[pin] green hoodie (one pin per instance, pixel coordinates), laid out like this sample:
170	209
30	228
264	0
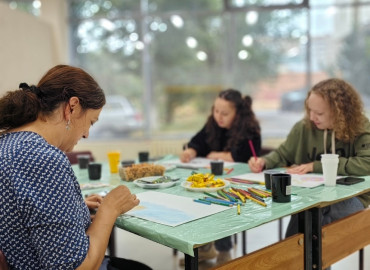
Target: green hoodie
305	144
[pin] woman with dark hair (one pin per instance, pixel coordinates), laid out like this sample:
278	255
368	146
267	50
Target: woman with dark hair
225	136
227	131
44	221
334	113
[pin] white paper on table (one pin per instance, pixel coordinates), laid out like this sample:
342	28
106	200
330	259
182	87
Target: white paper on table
196	163
309	180
171	210
93	185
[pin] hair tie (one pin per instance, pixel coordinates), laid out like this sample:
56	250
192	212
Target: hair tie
24	86
32	88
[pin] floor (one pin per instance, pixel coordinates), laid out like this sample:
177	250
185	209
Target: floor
160	257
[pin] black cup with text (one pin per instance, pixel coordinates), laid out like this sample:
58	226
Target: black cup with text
281	184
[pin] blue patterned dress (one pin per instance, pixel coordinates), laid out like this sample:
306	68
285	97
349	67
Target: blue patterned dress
43	217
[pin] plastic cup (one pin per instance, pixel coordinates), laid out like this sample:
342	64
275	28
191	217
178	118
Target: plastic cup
114	159
330	168
127	163
268	176
143	156
94	170
281	187
83	161
217	167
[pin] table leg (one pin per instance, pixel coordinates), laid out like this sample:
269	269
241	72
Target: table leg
305	227
316	238
191	263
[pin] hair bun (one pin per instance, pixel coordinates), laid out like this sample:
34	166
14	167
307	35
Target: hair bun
32	88
24	86
248	100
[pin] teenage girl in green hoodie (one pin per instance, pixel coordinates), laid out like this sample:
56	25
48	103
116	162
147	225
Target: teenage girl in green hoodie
334	113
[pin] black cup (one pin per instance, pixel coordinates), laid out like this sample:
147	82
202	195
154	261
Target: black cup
127	163
143	156
83	161
268	174
281	187
94	170
217	167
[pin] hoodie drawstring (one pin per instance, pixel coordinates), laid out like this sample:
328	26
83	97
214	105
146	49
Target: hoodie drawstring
332	141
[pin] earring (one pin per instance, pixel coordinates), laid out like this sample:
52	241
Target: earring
68	122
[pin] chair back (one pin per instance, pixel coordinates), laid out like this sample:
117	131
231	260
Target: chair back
72	156
3	263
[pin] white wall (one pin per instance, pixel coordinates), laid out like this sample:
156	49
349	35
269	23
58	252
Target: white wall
29	46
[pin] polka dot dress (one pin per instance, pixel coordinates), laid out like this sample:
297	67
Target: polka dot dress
43	217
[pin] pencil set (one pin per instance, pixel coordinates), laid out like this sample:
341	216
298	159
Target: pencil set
255	195
235	196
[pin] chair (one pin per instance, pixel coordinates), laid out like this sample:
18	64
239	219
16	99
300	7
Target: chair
72	156
3	263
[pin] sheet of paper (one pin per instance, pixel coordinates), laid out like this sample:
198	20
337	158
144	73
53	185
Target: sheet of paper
171	210
309	180
93	185
196	163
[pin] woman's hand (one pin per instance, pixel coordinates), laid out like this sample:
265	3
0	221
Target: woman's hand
119	200
93	202
188	154
301	169
256	164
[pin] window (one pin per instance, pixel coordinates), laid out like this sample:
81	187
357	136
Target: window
169	58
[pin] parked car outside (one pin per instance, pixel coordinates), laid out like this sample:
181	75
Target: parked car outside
293	100
118	118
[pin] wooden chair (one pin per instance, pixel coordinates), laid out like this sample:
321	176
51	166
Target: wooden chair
285	255
3	263
72	156
344	237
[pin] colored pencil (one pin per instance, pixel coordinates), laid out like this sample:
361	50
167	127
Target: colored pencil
260	194
211	199
219	203
244	181
252	149
230	170
257	201
216	197
238	207
201	201
237	193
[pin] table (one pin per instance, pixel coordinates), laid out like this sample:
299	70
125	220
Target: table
189	236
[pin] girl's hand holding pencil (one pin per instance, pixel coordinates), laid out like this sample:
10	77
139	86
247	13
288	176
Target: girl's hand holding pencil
256	164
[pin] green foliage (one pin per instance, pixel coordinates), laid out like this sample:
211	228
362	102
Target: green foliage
355	60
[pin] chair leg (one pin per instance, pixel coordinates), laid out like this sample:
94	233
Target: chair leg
112	243
280	229
361	259
235	239
244	241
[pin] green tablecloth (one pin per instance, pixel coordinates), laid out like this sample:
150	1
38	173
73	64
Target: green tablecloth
192	234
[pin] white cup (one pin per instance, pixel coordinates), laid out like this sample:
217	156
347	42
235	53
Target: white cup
330	168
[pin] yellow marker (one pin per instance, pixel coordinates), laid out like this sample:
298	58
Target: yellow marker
238	209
